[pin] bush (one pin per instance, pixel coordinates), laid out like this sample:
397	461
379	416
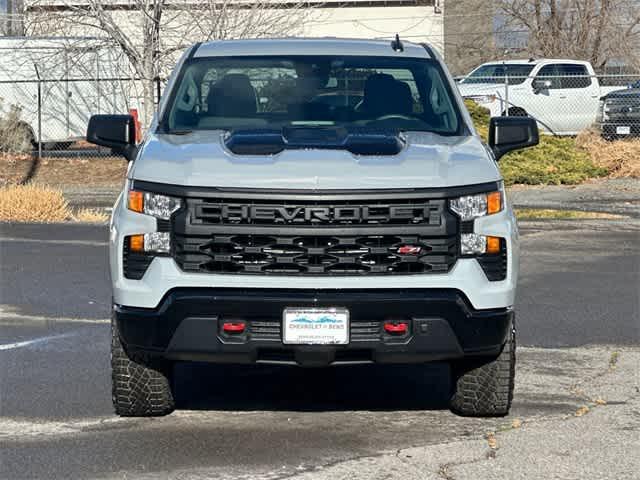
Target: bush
15	135
32	203
556	160
621	157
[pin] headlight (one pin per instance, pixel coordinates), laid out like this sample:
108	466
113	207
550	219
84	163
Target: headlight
474	206
154	204
602	109
483	98
154	242
471	207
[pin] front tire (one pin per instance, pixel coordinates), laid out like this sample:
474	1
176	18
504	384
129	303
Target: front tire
486	389
141	387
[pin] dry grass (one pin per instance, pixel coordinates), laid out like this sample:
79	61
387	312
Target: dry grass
101	172
32	203
550	214
90	215
620	157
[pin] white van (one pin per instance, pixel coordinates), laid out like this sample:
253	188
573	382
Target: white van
79	77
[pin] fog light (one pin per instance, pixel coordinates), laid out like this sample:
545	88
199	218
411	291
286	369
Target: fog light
157	242
472	243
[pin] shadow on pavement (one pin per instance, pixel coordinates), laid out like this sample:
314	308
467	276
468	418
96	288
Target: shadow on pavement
343	388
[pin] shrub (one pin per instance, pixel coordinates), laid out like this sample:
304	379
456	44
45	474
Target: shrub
90	215
556	160
621	157
15	135
32	203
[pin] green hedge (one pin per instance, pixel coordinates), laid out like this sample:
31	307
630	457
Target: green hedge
555	161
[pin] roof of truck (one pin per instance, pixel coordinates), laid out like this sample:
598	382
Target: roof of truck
535	61
308	46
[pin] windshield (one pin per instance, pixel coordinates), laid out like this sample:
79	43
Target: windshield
495	73
320	91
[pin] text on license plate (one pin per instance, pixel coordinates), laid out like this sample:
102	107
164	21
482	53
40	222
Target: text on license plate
315	326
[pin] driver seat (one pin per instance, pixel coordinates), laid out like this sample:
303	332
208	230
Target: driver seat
384	95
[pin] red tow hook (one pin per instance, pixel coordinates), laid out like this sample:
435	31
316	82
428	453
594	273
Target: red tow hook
396	328
233	327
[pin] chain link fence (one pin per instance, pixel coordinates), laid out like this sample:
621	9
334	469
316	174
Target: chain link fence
563	105
48	117
49	89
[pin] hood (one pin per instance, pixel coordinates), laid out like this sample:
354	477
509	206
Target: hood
200	159
468	89
630	93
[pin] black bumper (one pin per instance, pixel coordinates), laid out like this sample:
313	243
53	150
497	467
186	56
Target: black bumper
188	326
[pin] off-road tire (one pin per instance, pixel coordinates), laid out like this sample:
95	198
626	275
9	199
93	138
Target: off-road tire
485	389
141	387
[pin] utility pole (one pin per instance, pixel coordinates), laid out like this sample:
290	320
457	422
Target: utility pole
14	23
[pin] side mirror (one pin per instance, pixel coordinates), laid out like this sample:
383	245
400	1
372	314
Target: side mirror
512	133
117	132
539	85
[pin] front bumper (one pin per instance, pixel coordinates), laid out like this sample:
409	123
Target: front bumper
187	326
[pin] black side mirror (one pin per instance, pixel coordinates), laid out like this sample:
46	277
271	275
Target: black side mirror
512	133
539	85
117	132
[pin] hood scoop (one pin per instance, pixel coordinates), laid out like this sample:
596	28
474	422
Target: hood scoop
272	141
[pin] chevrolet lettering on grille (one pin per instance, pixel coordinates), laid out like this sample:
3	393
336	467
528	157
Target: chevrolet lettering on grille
239	213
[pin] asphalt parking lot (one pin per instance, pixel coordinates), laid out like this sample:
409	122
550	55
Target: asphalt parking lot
576	412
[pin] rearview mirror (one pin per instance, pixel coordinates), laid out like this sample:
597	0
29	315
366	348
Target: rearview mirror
512	133
117	132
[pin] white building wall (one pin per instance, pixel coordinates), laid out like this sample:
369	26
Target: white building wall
415	24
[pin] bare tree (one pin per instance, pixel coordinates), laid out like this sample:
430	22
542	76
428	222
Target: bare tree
593	30
152	33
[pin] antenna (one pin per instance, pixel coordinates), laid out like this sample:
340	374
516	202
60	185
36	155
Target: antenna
396	44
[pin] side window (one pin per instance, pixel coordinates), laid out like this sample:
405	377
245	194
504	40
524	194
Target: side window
574	76
549	72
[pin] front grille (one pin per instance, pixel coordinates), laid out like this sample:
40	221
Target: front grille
315	237
623	108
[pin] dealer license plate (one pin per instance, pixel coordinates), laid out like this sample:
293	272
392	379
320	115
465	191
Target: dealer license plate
315	326
623	130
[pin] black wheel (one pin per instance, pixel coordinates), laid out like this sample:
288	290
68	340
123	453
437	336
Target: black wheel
485	389
141	387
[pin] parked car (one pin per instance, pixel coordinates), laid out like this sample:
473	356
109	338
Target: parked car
79	77
619	113
562	95
378	232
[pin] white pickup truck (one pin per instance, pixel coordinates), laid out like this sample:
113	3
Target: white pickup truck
562	95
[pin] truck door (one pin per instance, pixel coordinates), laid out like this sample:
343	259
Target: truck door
546	105
579	94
